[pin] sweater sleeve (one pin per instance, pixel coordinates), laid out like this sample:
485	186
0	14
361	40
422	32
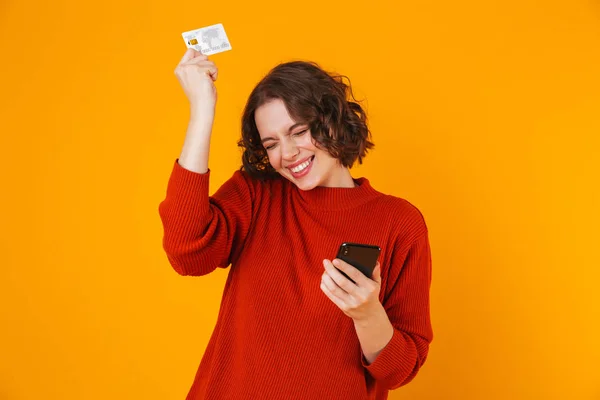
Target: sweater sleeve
203	232
406	301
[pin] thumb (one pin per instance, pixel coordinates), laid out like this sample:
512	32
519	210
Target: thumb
189	54
377	273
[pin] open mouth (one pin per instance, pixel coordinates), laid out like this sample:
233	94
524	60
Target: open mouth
302	169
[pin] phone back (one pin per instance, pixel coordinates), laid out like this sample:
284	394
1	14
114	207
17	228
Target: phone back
362	256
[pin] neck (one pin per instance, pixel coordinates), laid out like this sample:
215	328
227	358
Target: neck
340	178
337	197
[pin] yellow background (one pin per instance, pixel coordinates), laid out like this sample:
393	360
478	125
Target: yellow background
485	115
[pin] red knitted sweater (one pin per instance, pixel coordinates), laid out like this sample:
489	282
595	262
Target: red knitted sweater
278	336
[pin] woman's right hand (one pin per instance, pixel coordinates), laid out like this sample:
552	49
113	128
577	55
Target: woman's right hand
196	74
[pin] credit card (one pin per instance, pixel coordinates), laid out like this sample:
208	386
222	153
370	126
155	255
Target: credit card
208	40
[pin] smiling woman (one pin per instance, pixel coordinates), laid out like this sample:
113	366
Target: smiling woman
292	152
292	325
301	95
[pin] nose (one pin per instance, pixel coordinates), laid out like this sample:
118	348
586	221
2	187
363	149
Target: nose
289	150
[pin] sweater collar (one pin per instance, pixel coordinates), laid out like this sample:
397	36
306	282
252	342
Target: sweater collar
337	198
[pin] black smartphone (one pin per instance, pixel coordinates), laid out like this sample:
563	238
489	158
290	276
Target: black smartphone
362	256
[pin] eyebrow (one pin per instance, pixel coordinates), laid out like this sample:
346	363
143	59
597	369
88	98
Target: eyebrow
289	130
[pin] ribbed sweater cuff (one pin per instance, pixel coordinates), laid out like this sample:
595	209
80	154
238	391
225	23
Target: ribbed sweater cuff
395	362
183	183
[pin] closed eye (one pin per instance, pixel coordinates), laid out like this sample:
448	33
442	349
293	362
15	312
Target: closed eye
295	134
300	133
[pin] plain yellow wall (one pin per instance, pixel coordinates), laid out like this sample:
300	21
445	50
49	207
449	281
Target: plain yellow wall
485	115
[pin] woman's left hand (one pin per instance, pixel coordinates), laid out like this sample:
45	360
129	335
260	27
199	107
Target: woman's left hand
360	300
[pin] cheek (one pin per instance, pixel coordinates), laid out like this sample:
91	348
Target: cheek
325	159
313	146
310	142
274	159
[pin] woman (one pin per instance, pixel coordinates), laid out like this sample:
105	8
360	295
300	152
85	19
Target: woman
291	326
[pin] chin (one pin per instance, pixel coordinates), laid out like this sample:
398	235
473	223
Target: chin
304	183
305	187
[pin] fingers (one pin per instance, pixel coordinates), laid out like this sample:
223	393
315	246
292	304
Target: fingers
338	278
194	57
351	271
207	66
210	67
191	54
195	60
377	273
331	287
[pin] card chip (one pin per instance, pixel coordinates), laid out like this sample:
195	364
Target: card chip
194	41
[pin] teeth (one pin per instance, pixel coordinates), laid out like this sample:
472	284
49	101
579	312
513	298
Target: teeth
301	166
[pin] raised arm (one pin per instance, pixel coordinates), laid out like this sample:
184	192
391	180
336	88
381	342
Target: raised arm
201	232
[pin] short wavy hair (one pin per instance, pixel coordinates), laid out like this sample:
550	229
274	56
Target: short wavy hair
312	96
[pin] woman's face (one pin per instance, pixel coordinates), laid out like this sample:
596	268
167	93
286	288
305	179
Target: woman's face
292	151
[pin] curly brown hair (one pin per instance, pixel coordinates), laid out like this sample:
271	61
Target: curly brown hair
312	96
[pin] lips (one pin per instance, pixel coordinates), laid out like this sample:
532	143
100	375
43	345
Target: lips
305	171
299	162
